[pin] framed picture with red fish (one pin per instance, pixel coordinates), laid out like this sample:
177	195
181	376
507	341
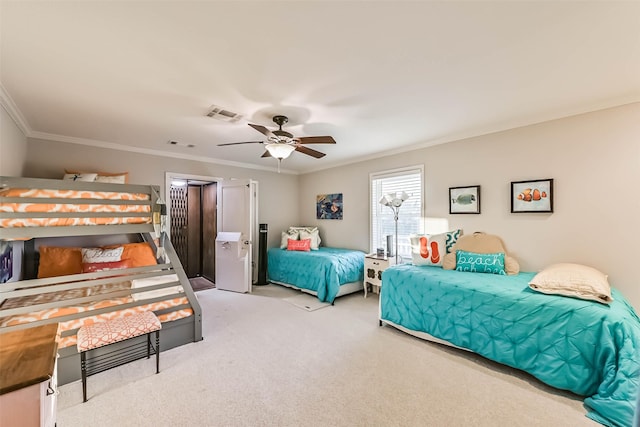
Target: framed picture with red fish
464	200
532	196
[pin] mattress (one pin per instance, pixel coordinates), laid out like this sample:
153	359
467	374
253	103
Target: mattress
70	340
74	206
322	271
588	348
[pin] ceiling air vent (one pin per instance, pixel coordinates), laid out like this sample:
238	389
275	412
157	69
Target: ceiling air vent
220	113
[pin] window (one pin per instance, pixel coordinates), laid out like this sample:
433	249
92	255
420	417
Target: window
410	217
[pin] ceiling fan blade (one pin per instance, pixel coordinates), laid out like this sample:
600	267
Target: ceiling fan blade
263	130
266	154
316	140
238	143
310	152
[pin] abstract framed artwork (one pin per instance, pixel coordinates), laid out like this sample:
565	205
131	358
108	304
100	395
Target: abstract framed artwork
532	196
464	200
329	206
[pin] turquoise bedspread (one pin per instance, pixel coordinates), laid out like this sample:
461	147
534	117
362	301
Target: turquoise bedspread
588	348
322	271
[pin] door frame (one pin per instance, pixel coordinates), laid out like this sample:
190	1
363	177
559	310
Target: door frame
170	176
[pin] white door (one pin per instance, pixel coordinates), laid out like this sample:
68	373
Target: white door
238	212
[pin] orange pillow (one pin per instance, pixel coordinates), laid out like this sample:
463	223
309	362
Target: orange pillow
59	261
138	254
299	245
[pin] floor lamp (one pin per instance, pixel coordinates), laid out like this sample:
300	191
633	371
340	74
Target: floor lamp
394	201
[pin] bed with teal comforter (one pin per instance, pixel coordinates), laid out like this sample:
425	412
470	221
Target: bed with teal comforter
585	347
321	271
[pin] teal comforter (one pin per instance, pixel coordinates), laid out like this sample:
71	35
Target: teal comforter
322	271
588	348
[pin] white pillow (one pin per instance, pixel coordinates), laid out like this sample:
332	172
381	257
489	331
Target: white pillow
314	236
286	235
427	249
150	281
308	229
91	255
573	280
112	179
84	177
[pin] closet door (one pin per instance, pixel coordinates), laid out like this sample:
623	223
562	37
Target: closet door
179	223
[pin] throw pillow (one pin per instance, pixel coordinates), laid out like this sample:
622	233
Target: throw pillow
92	267
452	238
92	255
286	235
314	236
573	280
84	177
299	245
480	263
59	261
308	229
427	249
138	254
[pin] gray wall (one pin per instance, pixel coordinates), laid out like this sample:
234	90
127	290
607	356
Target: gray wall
278	192
594	159
13	146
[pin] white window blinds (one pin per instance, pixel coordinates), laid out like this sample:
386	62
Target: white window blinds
410	217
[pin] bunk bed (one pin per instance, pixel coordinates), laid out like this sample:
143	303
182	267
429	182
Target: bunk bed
76	215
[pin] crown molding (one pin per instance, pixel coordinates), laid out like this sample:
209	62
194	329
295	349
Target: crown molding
12	109
14	112
150	151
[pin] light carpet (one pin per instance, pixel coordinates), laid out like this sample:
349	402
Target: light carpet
307	302
265	362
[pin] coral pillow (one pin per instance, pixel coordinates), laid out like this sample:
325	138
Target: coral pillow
59	261
92	267
299	245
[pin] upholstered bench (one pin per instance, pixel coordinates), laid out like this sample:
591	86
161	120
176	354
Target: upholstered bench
97	335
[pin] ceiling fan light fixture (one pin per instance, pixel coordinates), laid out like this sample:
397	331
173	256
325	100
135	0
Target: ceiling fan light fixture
280	151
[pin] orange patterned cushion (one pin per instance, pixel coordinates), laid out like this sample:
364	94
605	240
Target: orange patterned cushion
103	333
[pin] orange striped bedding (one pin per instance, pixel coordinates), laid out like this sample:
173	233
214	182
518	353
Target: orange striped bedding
51	313
72	206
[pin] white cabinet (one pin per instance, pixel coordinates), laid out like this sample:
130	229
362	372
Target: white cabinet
28	388
373	268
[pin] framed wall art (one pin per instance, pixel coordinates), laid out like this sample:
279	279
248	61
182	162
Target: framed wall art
532	196
464	200
329	206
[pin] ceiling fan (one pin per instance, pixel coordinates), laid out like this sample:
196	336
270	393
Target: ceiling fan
280	143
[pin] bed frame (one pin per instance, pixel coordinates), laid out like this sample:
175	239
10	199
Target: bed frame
346	289
174	333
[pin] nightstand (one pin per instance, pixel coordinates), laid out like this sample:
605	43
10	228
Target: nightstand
373	268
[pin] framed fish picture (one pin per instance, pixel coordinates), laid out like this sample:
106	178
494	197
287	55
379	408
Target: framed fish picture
532	196
464	200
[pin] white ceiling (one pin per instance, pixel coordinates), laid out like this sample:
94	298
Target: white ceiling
377	76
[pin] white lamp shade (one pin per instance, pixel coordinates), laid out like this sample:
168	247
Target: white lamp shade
393	199
279	150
